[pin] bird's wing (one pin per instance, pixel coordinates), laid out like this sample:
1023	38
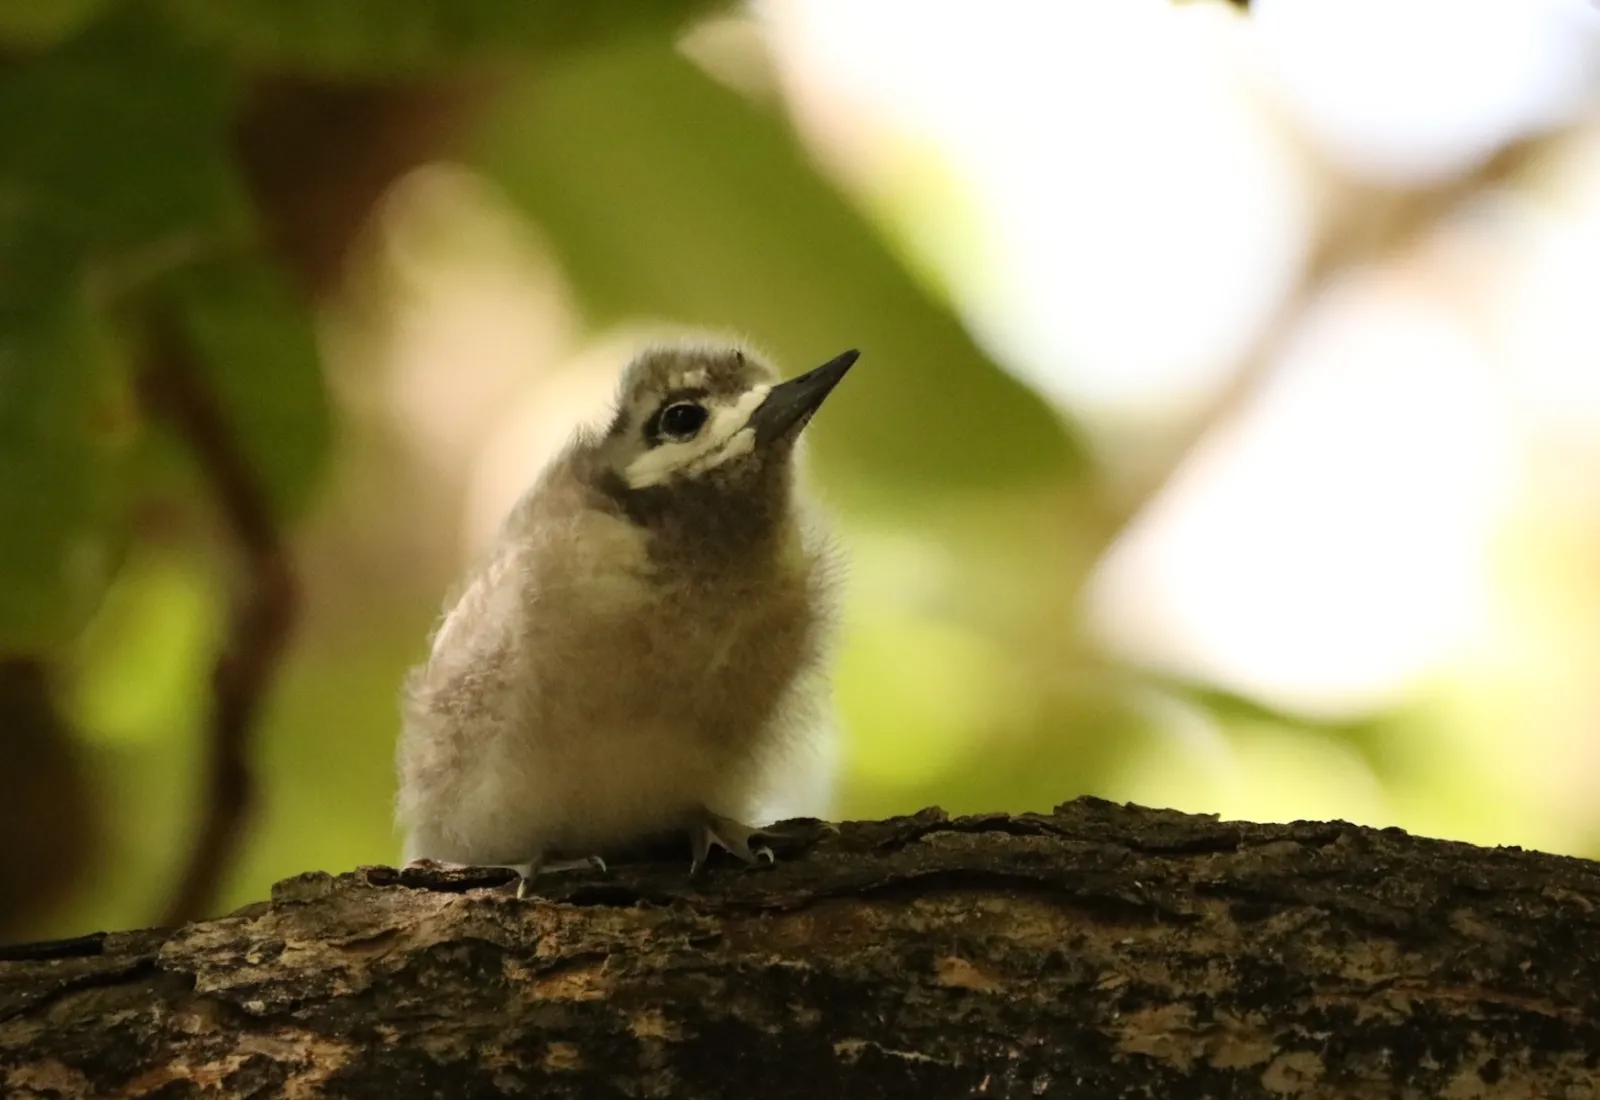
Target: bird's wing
483	616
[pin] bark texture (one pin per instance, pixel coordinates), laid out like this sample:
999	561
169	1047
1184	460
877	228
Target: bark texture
1098	951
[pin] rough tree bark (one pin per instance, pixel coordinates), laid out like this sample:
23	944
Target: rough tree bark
1099	951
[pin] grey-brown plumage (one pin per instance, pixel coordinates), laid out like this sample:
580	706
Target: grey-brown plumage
644	639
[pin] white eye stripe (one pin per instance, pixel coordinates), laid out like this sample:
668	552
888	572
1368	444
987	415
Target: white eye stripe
721	437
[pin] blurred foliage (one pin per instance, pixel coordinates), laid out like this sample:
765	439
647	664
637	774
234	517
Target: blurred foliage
113	165
30	24
387	38
121	194
970	505
58	472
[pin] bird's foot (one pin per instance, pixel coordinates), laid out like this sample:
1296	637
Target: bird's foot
707	828
527	872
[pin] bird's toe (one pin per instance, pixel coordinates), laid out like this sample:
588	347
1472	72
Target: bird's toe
731	836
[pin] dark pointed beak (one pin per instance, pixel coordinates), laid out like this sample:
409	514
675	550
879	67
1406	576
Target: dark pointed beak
790	404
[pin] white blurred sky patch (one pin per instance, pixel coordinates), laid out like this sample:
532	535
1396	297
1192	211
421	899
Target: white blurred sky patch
1543	299
1330	545
1419	91
1136	216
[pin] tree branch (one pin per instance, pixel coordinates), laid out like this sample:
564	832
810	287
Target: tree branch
262	618
1099	951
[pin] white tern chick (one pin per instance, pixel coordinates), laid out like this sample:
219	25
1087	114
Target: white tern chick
642	641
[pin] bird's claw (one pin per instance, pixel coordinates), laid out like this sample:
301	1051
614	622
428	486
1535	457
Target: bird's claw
731	836
527	872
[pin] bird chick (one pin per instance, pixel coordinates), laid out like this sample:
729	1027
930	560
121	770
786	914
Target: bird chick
641	642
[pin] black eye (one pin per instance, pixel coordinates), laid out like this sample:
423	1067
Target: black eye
682	420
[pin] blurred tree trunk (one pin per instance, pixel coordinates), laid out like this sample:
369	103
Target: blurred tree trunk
1100	951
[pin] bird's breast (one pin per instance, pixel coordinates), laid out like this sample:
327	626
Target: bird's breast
711	661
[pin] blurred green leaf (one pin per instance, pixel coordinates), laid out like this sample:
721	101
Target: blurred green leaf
138	704
255	344
38	268
1372	735
58	391
37	24
392	37
142	661
118	145
668	196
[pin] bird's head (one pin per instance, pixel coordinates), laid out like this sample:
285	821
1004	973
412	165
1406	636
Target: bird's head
706	433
